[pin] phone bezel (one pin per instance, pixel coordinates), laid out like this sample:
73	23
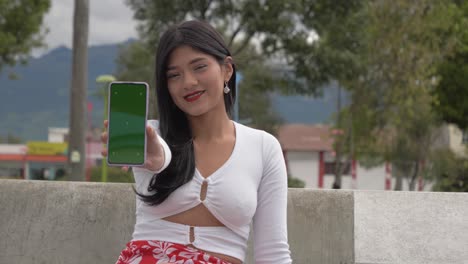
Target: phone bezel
109	120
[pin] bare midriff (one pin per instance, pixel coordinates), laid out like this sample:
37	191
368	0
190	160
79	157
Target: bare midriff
200	216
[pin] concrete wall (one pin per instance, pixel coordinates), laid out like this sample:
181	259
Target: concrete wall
67	222
64	222
305	166
410	227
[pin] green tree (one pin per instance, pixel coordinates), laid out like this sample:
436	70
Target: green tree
448	171
20	29
240	20
115	175
283	30
384	53
258	80
295	182
324	44
451	94
401	48
323	48
10	139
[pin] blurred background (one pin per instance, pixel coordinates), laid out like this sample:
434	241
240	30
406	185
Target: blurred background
361	94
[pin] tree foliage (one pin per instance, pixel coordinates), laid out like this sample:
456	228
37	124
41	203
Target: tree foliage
385	54
20	29
295	182
284	31
240	20
10	139
258	80
449	172
115	174
403	47
451	94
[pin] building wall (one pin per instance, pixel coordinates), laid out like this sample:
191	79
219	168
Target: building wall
305	166
441	137
16	149
456	144
57	134
11	168
329	179
371	178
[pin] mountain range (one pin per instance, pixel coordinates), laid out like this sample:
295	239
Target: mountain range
39	97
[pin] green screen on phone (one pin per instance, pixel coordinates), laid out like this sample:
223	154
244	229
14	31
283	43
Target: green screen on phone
127	123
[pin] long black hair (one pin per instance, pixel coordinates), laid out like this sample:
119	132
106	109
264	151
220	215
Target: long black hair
173	123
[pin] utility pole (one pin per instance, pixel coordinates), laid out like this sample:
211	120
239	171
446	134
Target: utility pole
338	143
78	93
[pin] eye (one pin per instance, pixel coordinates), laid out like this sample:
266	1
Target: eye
200	67
172	75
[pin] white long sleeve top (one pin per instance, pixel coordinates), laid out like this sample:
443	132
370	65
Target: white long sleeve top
250	186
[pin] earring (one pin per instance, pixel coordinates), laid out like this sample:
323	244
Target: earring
226	88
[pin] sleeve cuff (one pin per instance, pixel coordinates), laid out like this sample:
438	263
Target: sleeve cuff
167	154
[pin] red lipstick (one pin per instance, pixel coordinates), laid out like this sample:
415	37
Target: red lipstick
192	97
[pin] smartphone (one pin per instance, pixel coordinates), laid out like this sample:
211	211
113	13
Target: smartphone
128	109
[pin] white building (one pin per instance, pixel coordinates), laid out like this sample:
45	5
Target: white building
309	155
452	137
45	159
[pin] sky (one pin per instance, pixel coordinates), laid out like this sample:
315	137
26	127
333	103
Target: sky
110	22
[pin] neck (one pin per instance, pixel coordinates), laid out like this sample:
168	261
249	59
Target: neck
211	126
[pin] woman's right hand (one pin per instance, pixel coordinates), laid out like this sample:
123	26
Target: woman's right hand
154	150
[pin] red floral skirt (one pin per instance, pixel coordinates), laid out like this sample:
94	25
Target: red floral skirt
160	252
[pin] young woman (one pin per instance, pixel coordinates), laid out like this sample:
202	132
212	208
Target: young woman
206	178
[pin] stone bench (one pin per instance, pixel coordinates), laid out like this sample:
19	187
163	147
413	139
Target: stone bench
80	222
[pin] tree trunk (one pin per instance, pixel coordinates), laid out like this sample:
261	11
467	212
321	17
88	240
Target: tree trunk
338	172
78	97
399	179
412	184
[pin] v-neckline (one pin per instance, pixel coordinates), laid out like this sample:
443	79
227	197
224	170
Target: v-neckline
227	162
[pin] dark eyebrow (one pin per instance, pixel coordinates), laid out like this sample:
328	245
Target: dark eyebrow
191	62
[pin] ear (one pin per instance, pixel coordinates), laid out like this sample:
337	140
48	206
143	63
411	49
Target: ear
228	69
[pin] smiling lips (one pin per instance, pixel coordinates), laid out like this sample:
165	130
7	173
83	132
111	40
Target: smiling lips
193	96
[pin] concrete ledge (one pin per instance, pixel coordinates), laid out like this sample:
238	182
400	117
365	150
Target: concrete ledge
75	222
410	227
64	222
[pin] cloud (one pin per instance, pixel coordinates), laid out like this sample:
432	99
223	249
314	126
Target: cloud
110	22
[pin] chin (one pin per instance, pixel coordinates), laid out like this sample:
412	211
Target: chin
195	112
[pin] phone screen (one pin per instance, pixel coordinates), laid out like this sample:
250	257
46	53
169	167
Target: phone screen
127	123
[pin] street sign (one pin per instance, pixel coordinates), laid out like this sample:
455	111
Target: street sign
46	148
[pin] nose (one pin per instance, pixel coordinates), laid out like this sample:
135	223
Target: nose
190	81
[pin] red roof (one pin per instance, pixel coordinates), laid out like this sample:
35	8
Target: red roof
301	137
